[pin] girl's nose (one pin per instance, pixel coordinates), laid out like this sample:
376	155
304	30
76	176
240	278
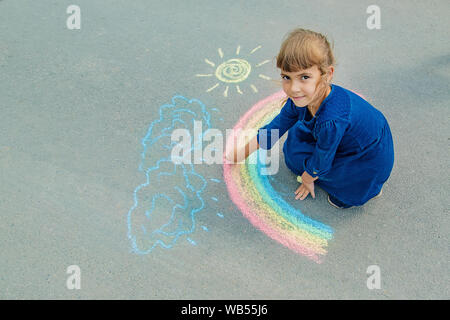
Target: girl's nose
295	86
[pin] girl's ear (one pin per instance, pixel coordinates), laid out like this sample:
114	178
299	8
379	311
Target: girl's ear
330	74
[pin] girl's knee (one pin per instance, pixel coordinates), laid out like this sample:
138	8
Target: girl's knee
292	168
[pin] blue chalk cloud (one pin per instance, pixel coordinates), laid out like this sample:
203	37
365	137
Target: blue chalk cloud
166	204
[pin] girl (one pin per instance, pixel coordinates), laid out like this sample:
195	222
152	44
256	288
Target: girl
335	139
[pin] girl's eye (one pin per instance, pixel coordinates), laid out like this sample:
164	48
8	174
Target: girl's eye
285	77
306	77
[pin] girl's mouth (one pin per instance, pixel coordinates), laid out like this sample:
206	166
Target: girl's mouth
298	98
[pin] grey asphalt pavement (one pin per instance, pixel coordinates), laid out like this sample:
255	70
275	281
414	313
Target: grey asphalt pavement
77	104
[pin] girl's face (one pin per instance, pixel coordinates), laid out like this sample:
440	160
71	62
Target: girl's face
300	86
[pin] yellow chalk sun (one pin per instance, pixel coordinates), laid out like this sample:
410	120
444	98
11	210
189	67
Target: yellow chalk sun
233	71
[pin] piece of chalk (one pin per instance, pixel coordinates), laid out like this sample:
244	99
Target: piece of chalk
299	179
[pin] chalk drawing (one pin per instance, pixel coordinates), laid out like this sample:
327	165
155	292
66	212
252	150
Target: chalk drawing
166	205
233	71
266	208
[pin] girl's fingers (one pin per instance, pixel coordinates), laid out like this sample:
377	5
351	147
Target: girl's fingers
299	193
302	194
312	192
305	194
299	189
303	191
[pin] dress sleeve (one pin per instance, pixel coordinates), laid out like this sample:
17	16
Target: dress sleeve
329	135
287	117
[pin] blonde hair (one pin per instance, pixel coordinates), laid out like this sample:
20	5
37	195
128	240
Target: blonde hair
302	49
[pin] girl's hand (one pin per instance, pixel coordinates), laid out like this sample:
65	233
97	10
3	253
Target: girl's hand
306	187
303	191
239	154
307	178
231	155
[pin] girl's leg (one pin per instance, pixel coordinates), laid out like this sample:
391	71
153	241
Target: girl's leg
292	168
295	161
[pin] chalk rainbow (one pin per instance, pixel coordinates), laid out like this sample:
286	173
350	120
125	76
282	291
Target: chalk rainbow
262	205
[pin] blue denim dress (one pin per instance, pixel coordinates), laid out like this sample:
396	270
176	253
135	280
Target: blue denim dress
347	144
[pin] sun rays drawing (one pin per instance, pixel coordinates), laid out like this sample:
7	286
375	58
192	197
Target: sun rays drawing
233	71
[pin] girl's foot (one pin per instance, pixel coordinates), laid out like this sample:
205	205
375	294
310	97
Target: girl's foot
340	205
378	195
337	204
